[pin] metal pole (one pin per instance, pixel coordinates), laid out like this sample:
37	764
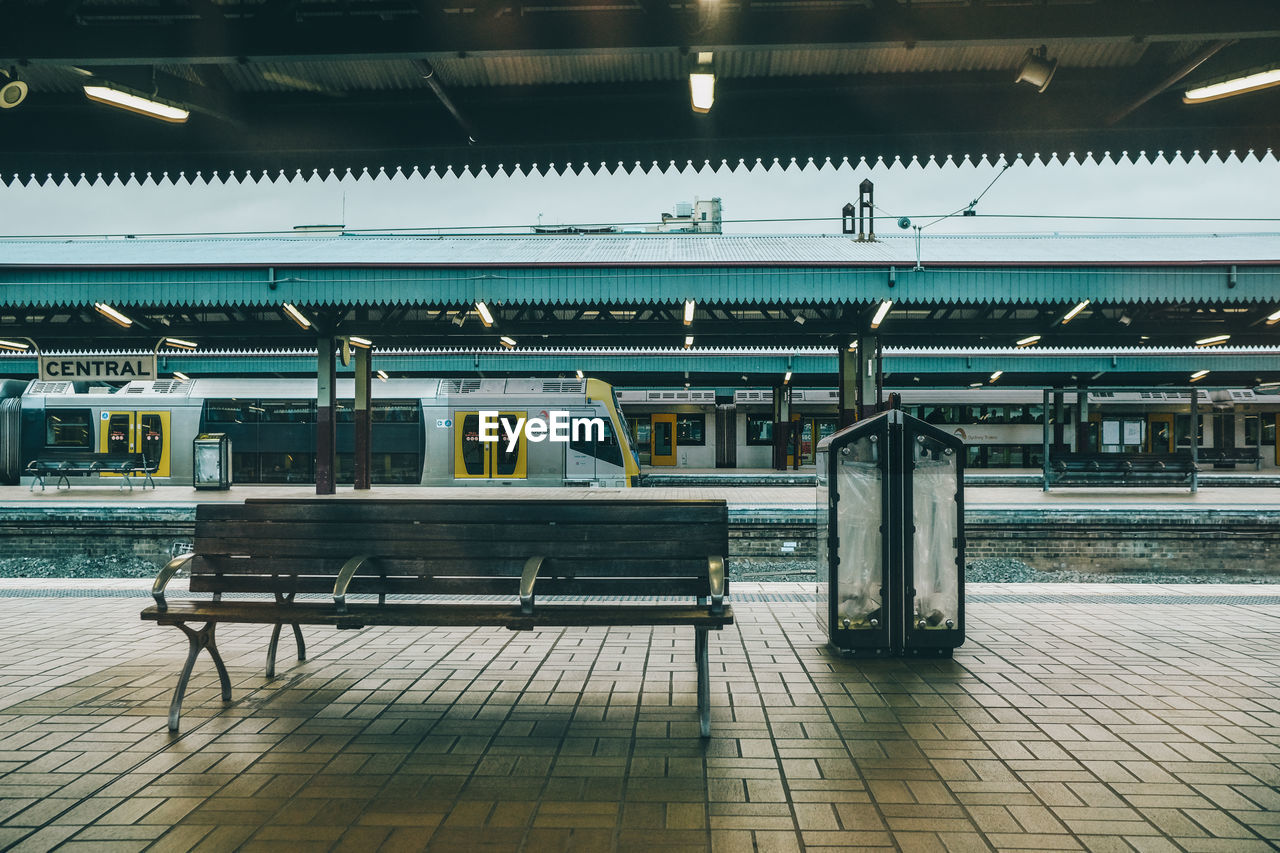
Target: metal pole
326	415
1044	460
364	420
1195	440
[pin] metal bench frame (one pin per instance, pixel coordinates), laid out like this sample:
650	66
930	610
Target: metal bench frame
89	465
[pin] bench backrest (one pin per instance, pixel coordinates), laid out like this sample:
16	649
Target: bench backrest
592	547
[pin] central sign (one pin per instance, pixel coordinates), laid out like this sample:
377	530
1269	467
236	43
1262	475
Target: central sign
120	368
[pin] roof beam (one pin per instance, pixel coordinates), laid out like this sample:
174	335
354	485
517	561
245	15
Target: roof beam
42	38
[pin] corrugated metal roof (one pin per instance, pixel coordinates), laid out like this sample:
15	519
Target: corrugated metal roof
626	250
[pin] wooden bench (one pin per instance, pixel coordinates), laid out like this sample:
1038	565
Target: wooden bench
610	558
85	463
1229	459
1121	469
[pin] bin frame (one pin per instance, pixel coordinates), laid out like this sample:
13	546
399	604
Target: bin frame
224	460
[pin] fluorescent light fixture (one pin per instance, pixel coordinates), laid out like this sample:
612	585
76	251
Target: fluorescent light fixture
787	378
1235	86
881	313
688	341
507	342
125	99
702	90
1198	375
296	316
18	346
181	377
1272	319
363	343
1028	341
996	375
179	343
1213	340
581	375
853	345
381	374
1071	315
112	314
688	312
485	316
975	384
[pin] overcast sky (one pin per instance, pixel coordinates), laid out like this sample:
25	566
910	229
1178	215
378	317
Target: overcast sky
795	200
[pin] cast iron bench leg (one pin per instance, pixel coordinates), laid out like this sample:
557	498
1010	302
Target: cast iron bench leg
282	598
704	680
202	639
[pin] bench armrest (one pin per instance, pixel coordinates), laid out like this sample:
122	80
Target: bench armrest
348	570
527	577
166	574
715	575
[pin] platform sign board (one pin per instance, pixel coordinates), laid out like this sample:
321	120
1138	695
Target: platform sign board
81	368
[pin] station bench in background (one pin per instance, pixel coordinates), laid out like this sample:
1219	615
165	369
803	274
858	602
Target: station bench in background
541	563
1121	469
63	464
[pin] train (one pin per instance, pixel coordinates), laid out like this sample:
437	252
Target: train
425	431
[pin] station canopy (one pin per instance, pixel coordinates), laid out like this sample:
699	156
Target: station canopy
636	290
288	87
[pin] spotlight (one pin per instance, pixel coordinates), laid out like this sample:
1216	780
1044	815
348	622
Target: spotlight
12	91
1037	69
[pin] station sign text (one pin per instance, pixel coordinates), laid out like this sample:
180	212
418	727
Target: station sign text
121	368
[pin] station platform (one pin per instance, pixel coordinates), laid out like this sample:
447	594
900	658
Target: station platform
1092	717
805	476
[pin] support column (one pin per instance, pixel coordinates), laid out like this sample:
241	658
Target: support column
847	387
1082	422
781	425
1059	418
861	381
326	415
364	418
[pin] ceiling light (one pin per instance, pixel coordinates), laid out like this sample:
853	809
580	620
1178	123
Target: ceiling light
975	384
181	377
1028	341
1263	79
1272	319
688	341
1071	315
1198	375
1037	69
15	345
688	311
702	86
179	343
853	345
112	314
881	313
485	316
509	343
799	318
12	92
381	374
580	375
134	102
996	375
296	316
1213	340
363	343
787	378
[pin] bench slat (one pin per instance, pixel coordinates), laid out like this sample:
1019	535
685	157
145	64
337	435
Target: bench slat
505	586
472	510
428	530
419	566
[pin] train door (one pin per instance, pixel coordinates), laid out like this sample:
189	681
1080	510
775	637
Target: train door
662	439
137	432
474	459
1160	432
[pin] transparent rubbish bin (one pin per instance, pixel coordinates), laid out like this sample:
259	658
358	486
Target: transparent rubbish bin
211	461
890	537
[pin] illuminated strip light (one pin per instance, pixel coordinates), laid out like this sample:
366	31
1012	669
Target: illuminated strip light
1198	375
15	345
135	103
509	343
179	343
996	375
1028	341
1213	341
112	314
881	313
382	374
688	341
485	316
181	377
853	345
688	312
1071	315
296	315
581	375
1235	86
786	378
1272	319
363	343
702	89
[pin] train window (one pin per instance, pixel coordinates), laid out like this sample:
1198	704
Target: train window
68	428
691	429
759	432
1182	429
346	413
287	467
940	414
396	412
606	451
231	411
287	412
386	468
244	467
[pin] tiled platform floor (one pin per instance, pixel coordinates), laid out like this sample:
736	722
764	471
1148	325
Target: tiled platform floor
1077	724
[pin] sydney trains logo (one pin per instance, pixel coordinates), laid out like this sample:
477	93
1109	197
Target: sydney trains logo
959	433
557	426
